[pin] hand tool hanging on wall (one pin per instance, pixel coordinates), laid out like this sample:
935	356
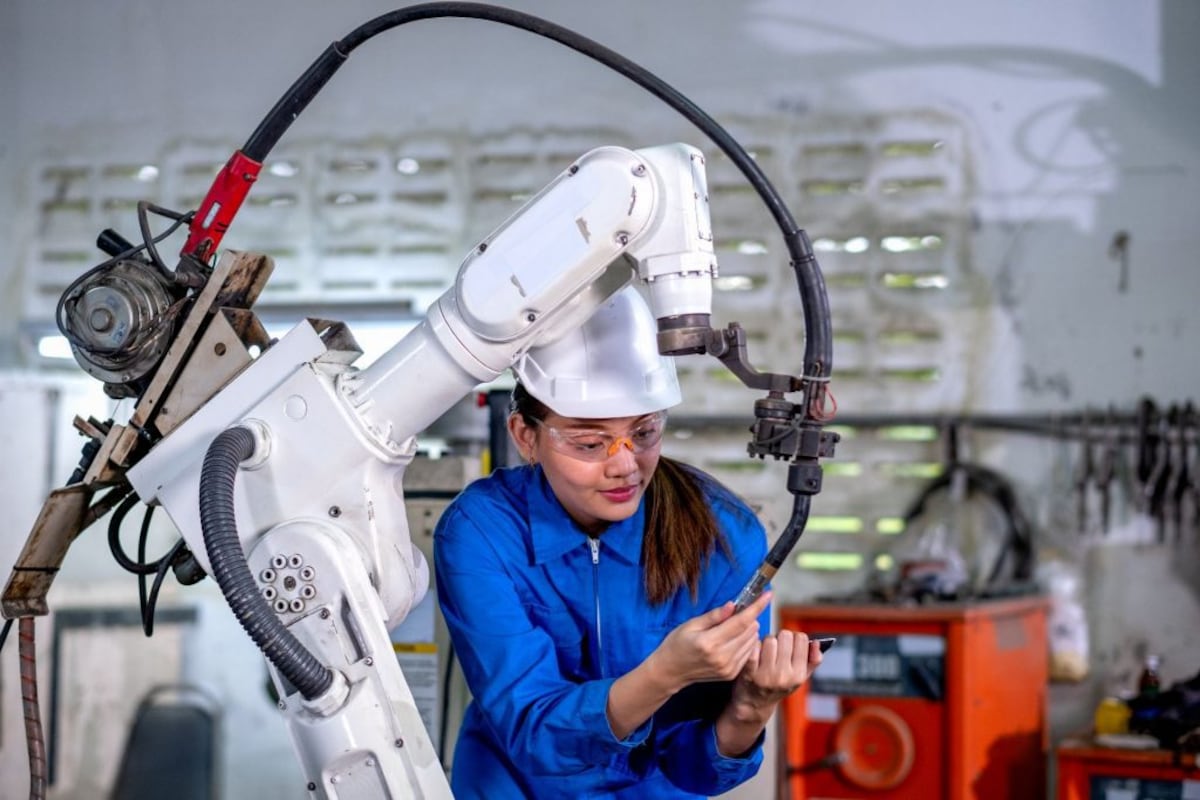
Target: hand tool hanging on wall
1189	501
1106	468
1143	462
1085	473
1157	451
1176	474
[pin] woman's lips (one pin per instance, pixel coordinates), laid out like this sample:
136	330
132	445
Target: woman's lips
620	495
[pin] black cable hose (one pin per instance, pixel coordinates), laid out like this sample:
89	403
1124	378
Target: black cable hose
818	355
63	326
138	567
148	604
1018	542
801	503
219	524
818	331
143	207
141	556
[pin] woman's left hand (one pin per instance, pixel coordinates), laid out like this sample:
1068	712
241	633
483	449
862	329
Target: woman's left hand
777	667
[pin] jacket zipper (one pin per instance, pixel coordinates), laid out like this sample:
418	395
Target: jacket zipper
594	544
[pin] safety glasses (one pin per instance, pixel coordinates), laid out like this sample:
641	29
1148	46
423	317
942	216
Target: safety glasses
589	445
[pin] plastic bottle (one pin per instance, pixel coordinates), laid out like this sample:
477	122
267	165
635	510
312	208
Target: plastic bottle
1149	683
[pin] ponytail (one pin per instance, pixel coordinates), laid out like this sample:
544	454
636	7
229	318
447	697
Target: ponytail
681	531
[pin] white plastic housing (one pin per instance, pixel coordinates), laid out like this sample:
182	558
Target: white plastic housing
676	257
325	485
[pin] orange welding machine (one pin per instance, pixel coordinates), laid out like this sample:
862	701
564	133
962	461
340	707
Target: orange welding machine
935	702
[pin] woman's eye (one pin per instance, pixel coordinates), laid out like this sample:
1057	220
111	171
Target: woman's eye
587	445
644	435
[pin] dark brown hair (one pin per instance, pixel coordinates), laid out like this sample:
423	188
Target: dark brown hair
681	531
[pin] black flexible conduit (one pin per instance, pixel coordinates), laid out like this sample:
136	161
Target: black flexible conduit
818	337
818	332
228	562
801	503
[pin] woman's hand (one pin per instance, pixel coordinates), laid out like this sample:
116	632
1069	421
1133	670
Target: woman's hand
777	666
711	647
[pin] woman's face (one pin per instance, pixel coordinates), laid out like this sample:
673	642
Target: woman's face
593	492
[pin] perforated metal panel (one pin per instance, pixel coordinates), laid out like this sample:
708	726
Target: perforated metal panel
386	221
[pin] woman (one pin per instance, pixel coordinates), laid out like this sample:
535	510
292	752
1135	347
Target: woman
588	593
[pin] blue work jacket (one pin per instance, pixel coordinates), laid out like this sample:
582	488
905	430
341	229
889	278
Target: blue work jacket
543	619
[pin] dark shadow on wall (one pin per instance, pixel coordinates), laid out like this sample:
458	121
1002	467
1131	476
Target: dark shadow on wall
1000	781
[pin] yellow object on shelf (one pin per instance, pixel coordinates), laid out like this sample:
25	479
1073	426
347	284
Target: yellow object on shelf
1112	716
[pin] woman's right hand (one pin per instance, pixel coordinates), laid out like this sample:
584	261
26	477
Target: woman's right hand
711	647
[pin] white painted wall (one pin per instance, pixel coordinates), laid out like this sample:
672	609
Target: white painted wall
9	159
1082	122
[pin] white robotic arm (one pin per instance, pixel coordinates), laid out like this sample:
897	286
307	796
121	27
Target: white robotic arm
611	215
317	505
302	456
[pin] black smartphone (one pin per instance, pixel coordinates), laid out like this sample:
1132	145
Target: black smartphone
825	642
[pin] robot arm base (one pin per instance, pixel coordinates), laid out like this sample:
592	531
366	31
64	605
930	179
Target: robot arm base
364	738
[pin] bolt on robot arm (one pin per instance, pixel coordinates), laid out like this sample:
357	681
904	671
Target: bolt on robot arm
300	516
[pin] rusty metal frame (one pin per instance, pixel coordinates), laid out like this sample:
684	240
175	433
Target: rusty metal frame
209	349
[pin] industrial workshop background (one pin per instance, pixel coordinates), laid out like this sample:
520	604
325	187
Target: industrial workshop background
1003	197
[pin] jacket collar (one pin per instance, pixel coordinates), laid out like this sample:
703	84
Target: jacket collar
553	533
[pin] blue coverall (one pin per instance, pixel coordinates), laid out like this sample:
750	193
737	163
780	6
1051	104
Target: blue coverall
544	619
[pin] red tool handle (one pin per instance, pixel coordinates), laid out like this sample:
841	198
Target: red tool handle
220	205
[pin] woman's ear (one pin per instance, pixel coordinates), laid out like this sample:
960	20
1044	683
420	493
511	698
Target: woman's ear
524	436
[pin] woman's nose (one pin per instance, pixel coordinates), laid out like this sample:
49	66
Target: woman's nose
618	443
621	460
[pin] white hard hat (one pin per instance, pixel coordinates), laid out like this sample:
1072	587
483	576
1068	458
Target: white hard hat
607	367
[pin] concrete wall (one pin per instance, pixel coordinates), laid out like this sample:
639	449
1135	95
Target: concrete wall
1081	125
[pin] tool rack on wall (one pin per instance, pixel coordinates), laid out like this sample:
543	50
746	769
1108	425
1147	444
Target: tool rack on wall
1151	452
